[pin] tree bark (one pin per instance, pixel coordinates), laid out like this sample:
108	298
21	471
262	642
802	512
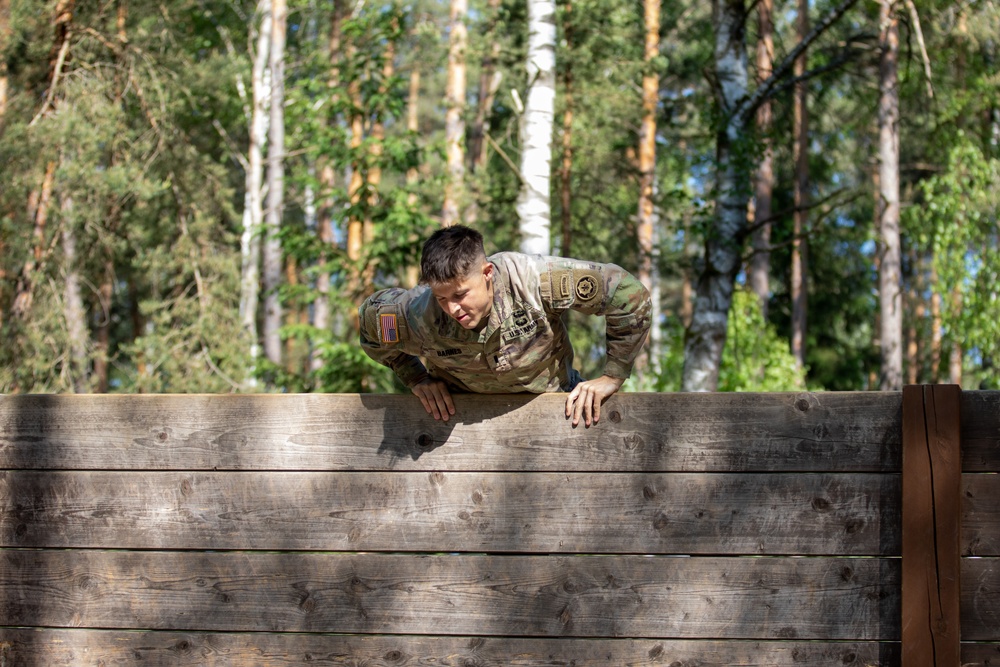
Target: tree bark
646	228
102	351
275	184
936	327
566	170
328	180
533	205
890	288
253	212
489	82
4	76
706	336
760	263
455	115
800	150
76	366
955	355
38	211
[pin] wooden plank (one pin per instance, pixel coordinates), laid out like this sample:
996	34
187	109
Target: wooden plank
83	648
638	432
980	514
754	513
980	655
981	431
981	600
854	599
932	474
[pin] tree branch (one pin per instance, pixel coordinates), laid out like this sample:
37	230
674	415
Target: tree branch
767	88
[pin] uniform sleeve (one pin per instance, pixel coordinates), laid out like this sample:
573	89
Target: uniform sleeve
608	290
384	333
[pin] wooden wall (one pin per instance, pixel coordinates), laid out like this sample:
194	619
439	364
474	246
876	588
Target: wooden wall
684	529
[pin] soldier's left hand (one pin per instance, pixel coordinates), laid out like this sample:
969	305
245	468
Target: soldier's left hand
586	398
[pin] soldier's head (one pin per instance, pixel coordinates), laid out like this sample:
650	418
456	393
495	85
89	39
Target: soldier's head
454	266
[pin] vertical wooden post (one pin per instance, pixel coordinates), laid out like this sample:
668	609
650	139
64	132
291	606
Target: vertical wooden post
932	473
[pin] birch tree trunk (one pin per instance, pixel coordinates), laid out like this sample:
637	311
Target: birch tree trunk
646	229
800	156
455	115
327	178
706	336
890	284
275	184
760	262
253	211
533	207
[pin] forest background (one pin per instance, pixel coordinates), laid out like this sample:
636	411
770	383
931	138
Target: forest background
197	194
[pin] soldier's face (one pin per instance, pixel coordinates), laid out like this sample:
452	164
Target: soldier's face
468	300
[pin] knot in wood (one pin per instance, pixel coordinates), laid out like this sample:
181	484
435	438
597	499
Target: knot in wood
802	404
820	504
424	441
615	416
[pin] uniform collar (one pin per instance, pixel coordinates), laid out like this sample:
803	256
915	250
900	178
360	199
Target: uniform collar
501	303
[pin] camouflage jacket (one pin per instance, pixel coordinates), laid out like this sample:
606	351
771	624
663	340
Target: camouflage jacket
524	345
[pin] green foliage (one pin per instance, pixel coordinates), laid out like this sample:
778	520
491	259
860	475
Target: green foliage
958	223
146	138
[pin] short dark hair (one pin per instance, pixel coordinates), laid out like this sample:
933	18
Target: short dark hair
451	253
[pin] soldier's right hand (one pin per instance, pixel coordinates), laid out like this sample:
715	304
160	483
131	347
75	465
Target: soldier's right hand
435	397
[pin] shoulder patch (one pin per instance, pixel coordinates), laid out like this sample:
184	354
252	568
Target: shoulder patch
388	328
586	288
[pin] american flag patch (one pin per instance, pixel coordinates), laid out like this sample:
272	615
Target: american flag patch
388	325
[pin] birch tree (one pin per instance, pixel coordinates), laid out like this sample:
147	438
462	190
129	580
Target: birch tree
706	336
275	184
533	205
253	212
890	281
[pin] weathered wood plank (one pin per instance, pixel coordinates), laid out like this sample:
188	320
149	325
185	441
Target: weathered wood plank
753	513
980	655
638	432
981	600
932	476
854	599
981	431
980	514
93	648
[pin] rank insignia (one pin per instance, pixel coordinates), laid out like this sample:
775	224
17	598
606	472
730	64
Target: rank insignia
387	323
586	288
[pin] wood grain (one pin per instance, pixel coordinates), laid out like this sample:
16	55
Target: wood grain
981	431
980	515
93	648
851	431
558	596
756	514
981	600
932	475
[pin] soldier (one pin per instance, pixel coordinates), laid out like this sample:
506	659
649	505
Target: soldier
495	325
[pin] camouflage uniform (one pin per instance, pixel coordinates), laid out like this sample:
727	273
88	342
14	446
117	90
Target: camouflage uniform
524	345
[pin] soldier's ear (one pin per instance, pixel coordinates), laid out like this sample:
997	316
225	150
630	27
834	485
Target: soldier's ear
488	271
